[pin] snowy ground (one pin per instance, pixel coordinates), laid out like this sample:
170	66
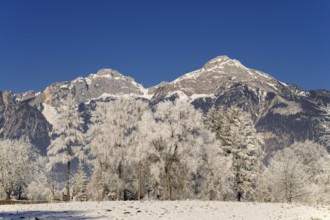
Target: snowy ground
189	210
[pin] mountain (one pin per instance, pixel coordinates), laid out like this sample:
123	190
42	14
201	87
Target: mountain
95	86
282	112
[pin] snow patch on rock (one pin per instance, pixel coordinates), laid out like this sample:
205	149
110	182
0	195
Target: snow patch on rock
50	113
191	75
198	96
291	108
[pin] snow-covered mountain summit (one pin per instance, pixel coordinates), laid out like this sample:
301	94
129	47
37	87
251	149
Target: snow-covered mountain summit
103	83
221	73
218	77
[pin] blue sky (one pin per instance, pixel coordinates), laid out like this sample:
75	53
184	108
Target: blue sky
42	42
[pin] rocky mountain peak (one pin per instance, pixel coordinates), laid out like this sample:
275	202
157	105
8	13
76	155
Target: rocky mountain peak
99	85
220	62
219	75
106	73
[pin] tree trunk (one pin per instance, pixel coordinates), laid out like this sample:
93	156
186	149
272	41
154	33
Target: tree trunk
19	193
118	192
239	196
168	166
119	180
139	180
68	181
168	187
8	195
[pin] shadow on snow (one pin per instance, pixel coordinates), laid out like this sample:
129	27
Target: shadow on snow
42	215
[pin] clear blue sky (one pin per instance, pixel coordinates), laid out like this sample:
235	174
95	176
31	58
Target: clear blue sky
42	42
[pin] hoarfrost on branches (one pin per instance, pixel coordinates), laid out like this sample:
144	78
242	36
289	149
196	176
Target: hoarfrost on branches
68	139
299	173
115	142
18	163
325	126
239	140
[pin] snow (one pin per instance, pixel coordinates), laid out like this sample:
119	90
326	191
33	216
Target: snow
191	75
263	74
50	113
235	63
130	95
25	93
106	73
79	79
197	96
219	59
143	90
28	93
284	84
218	65
273	86
88	81
190	210
291	108
65	86
104	96
220	62
302	93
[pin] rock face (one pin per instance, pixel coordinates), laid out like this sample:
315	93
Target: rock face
282	113
19	119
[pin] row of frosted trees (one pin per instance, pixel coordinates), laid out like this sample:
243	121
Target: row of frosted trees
173	151
169	152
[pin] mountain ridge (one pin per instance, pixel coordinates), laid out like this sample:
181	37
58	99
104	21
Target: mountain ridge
219	63
282	112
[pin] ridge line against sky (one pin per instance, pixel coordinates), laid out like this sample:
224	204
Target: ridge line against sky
42	42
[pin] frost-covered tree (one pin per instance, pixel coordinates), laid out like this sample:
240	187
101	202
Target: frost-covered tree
113	132
179	146
53	182
325	126
219	176
238	138
315	160
99	145
44	185
80	182
140	149
298	173
288	178
18	163
67	141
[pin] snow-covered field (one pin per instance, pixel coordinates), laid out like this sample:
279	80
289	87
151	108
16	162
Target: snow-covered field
189	210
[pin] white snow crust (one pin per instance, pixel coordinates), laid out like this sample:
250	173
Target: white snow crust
181	210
